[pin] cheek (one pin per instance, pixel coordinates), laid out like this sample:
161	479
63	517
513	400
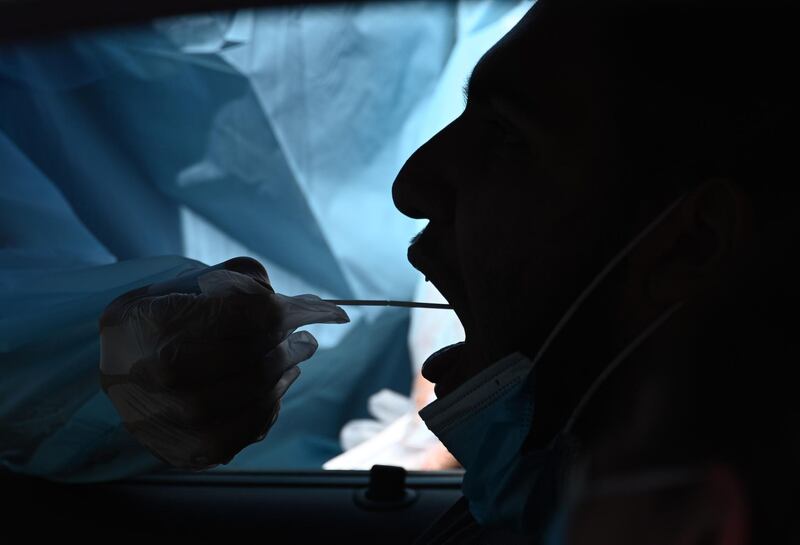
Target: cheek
494	229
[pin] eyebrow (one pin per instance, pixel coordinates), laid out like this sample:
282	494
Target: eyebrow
469	85
477	90
473	87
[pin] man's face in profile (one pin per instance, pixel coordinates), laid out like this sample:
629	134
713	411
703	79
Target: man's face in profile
517	193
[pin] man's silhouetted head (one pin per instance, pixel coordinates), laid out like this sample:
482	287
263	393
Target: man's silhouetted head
582	124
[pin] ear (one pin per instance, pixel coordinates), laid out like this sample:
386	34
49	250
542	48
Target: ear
694	244
721	513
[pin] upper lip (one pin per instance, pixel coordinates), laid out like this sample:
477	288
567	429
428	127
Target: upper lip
416	255
421	258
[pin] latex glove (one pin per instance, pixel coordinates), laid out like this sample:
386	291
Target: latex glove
196	366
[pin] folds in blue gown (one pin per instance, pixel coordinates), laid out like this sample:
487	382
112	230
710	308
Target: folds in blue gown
127	153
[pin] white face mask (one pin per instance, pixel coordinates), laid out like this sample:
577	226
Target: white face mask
485	421
484	426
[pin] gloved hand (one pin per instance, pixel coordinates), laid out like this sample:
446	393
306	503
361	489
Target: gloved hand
196	366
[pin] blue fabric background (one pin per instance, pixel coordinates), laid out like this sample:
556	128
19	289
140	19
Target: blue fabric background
130	155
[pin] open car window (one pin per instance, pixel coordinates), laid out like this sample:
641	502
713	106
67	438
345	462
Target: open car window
130	153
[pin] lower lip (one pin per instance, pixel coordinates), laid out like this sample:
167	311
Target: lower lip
419	259
440	366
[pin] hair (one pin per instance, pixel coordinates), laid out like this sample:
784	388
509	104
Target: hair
698	89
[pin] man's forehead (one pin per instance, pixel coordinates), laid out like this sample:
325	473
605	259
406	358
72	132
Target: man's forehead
502	69
541	59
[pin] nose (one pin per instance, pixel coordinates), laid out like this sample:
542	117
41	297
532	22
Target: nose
425	187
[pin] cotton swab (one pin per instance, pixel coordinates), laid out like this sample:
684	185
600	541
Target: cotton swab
381	303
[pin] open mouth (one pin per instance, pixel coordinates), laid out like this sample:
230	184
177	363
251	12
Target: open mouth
425	255
421	256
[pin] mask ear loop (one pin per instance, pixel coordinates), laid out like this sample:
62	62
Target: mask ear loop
564	435
622	254
642	337
618	360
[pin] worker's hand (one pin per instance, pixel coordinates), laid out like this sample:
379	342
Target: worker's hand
196	366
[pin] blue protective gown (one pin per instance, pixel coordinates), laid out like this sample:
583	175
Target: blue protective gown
130	155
